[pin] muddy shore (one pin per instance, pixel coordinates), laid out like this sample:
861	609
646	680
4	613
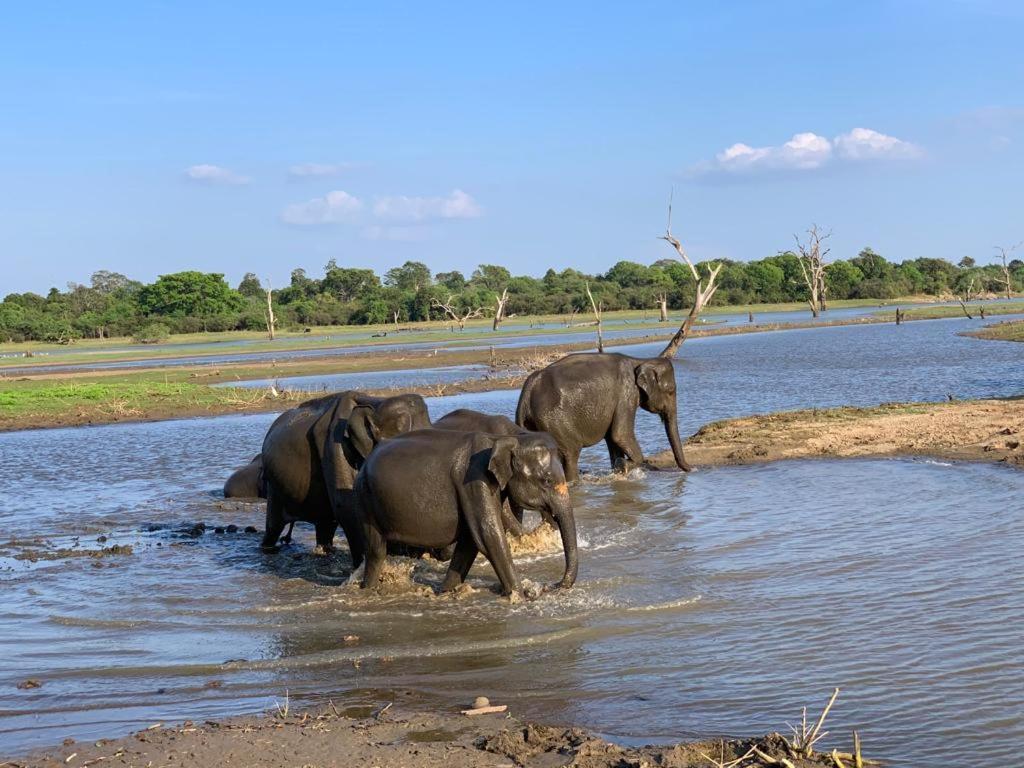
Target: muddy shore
970	430
390	736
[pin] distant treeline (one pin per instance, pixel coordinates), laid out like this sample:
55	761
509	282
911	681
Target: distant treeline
114	305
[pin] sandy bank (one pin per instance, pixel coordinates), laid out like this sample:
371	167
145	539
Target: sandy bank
394	737
974	430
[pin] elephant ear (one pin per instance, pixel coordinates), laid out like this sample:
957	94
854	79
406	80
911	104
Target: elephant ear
362	431
500	463
647	378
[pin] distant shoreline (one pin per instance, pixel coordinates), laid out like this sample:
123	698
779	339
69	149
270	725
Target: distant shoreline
91	397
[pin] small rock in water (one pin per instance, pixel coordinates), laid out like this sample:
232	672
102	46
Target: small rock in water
480	702
101	539
218	529
251	529
232	529
26	685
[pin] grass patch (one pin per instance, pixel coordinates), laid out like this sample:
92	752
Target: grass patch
937	313
1010	330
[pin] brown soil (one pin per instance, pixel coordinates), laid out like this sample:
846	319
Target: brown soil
975	430
393	738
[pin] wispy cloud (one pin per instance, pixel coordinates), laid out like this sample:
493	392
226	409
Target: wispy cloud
318	170
807	152
332	208
214	175
457	205
402	234
402	217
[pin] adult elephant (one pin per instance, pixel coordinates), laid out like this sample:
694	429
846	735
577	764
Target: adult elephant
433	488
590	396
246	482
312	453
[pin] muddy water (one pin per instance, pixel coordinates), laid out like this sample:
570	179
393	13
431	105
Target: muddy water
719	602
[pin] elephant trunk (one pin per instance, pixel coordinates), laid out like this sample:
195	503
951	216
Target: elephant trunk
672	432
567	528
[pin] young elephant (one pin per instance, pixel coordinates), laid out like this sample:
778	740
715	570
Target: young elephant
246	482
433	488
584	398
466	420
311	455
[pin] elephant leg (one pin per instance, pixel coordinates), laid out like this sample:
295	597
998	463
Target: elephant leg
497	551
274	524
287	538
570	463
512	521
622	445
462	561
348	512
376	555
325	531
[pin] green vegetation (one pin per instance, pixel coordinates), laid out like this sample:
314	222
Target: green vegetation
189	302
976	310
53	403
1011	330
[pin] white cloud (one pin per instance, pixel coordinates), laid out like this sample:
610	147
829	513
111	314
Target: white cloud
866	144
400	234
330	209
318	170
807	152
214	174
457	205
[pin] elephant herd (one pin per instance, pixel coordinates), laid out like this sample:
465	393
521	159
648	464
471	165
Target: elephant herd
395	482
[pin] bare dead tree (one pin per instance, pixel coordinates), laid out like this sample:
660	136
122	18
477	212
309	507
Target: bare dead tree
968	290
1004	253
812	266
597	317
702	295
499	308
268	313
662	306
449	309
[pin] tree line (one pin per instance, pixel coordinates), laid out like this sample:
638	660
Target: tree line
115	305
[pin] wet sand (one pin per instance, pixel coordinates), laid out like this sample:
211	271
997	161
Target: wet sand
972	430
390	736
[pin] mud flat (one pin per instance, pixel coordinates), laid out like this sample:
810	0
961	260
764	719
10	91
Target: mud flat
973	430
389	737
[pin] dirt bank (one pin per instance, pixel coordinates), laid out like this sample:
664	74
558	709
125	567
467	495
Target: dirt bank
1008	330
393	737
975	430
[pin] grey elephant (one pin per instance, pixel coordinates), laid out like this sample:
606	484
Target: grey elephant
312	453
466	420
584	398
434	488
246	482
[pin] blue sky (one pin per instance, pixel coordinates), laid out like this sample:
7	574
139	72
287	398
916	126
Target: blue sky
152	137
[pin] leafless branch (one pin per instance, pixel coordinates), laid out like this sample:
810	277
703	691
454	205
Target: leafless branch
449	309
702	296
811	257
597	317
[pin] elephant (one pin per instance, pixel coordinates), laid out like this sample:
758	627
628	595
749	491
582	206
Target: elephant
245	482
466	420
312	453
585	397
433	488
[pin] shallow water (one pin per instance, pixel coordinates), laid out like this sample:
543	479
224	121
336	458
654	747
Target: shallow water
715	603
205	353
333	382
